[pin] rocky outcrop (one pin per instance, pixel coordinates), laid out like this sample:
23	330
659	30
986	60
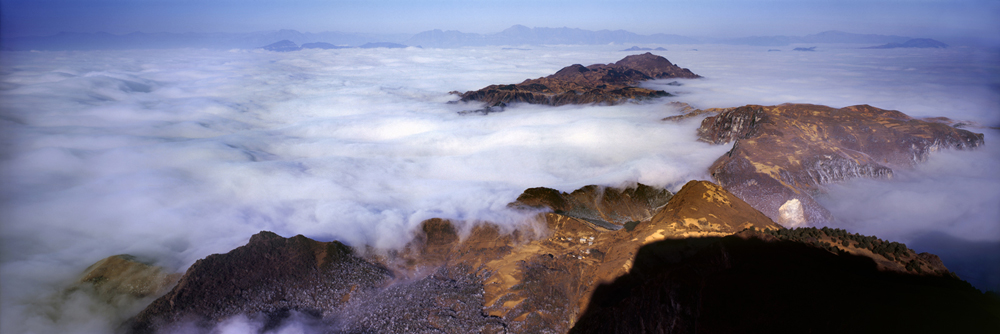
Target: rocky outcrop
577	84
533	279
270	278
606	207
538	278
670	266
782	155
104	295
773	282
124	276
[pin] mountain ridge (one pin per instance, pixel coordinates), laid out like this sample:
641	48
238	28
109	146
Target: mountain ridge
610	84
436	38
542	279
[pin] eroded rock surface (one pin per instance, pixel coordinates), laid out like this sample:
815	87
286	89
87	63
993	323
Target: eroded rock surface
124	276
577	84
606	207
533	279
486	278
783	154
270	278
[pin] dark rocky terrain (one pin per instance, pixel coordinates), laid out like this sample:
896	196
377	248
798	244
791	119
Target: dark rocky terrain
597	252
124	275
528	280
268	278
785	281
577	84
782	155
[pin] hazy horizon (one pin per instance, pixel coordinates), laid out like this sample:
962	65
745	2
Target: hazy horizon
965	21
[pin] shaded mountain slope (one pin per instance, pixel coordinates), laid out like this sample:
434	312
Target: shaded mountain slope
541	278
755	282
269	277
533	279
577	84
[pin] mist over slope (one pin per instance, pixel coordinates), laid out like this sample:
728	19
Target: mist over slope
177	154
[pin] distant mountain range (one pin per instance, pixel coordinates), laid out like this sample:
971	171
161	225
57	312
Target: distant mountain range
288	46
913	43
515	35
141	40
518	35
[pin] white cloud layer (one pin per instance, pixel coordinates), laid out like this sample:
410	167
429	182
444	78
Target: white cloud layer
949	205
961	83
179	154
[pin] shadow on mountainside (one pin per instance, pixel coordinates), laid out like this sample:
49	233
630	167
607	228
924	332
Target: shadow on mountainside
752	282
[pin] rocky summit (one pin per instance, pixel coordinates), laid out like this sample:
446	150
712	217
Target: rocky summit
786	281
782	155
587	256
577	84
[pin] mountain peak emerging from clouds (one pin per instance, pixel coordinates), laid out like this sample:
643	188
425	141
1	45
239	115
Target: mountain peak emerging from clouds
913	43
575	84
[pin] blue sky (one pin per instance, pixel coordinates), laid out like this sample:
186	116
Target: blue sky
974	19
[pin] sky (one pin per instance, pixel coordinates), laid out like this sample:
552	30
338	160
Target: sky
943	19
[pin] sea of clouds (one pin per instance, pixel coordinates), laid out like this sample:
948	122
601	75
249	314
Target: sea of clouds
173	155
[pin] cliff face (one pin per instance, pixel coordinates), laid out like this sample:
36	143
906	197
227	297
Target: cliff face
576	84
783	154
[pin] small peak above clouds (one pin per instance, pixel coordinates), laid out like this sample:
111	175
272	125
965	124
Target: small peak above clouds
923	43
282	46
608	84
386	45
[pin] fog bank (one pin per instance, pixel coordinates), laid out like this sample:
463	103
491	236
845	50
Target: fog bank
178	154
948	205
175	155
